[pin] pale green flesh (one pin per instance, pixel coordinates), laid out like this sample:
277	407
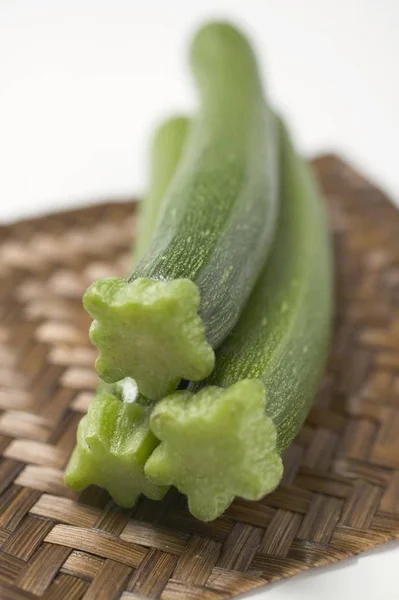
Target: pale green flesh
113	443
138	328
216	224
216	444
279	345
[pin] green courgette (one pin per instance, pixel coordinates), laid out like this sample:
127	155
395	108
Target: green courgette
221	443
114	439
212	237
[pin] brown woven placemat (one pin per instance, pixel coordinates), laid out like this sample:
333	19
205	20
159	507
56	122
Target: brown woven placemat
340	494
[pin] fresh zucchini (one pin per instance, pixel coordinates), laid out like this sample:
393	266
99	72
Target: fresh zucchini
114	439
221	443
166	151
212	237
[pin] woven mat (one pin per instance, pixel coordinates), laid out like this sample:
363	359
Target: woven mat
340	494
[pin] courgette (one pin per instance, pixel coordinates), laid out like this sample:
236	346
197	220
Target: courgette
212	237
114	439
224	437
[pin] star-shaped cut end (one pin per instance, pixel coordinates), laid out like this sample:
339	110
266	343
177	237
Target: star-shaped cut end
148	330
113	443
215	445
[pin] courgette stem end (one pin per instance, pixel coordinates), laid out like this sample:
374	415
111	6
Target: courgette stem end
148	330
113	442
215	445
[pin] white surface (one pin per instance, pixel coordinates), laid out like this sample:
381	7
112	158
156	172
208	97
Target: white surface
82	82
369	577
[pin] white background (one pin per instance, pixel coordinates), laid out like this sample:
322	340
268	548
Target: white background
82	82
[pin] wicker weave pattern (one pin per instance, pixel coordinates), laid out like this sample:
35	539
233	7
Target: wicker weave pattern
340	494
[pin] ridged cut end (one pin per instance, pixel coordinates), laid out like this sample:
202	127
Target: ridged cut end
113	443
215	445
150	331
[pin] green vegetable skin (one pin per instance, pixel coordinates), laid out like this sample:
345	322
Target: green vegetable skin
211	239
167	149
114	439
219	443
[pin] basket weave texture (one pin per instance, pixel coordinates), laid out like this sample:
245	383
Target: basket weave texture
340	493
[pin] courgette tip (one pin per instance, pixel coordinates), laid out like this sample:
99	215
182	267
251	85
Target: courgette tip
148	330
218	39
215	445
112	443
